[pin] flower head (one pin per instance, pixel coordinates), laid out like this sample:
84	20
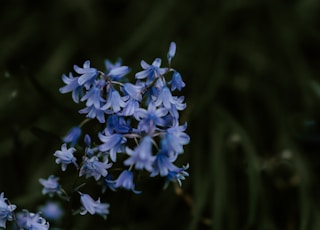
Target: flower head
125	180
50	186
141	156
52	211
27	220
65	156
87	74
72	136
93	167
92	206
6	211
151	72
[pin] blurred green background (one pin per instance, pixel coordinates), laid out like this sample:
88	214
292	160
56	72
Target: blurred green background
253	93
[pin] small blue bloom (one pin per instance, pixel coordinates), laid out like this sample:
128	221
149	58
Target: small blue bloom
108	182
50	186
73	86
134	91
6	211
164	98
131	107
175	138
141	156
65	156
117	124
116	71
52	211
31	221
92	112
125	180
92	206
151	72
149	119
88	74
113	143
176	81
163	164
93	167
93	95
114	101
72	136
178	174
171	52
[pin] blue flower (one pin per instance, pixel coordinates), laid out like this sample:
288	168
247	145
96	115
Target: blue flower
113	143
73	86
178	174
164	98
93	95
134	91
27	221
92	112
116	71
6	211
151	72
114	101
52	211
163	164
93	167
65	156
175	138
141	157
176	81
149	119
125	180
130	108
88	74
92	206
117	124
73	136
50	186
171	52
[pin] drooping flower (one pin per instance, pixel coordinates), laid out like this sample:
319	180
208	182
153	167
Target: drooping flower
51	211
141	156
176	81
92	167
149	119
87	74
27	220
92	112
115	70
72	136
92	206
175	138
178	174
65	156
125	180
163	164
114	101
6	211
51	186
151	72
73	86
112	143
134	91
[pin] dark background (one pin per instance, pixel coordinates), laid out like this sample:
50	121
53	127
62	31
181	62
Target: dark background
253	93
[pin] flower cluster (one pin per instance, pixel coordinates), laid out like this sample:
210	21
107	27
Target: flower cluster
139	131
25	220
139	124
